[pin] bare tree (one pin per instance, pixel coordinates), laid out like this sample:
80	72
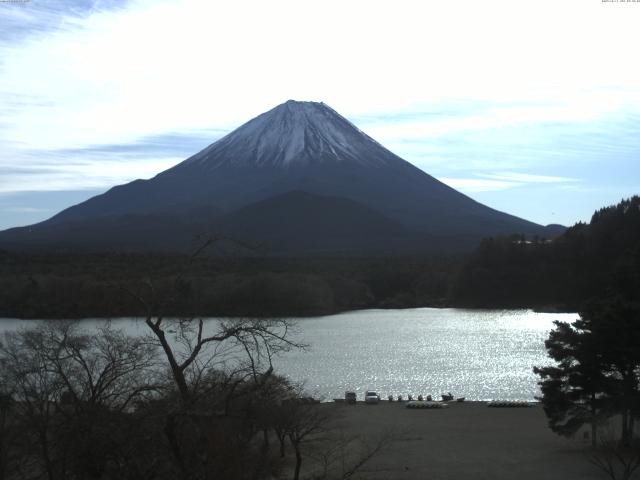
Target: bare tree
6	433
192	346
245	347
305	421
104	368
616	458
29	380
194	349
230	357
68	388
342	456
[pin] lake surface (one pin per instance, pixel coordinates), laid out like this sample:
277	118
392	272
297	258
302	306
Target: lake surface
478	354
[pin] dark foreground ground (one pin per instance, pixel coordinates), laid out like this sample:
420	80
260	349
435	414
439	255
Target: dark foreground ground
465	441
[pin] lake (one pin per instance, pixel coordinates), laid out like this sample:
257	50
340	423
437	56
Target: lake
478	354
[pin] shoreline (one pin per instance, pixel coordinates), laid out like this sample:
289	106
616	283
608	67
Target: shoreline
467	440
446	403
535	309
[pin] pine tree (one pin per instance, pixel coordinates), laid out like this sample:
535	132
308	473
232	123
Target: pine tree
616	325
574	392
598	369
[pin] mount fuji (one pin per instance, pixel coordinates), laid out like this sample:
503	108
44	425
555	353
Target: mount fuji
298	179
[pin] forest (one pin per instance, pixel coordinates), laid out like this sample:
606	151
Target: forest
587	261
100	285
594	260
182	402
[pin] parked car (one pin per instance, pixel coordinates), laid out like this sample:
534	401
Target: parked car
371	397
350	397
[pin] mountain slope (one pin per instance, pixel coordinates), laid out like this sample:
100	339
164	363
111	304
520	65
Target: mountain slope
297	222
302	147
134	232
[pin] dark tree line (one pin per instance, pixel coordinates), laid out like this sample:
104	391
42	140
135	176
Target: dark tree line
595	380
588	261
83	285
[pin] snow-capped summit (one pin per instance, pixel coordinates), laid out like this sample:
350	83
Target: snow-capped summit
300	178
294	133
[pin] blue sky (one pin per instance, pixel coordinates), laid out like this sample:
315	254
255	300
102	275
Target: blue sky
532	108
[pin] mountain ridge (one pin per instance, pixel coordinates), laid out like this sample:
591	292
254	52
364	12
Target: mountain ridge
291	126
304	147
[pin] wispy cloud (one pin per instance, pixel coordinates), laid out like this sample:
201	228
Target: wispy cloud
571	109
89	172
94	93
488	182
25	208
477	184
527	178
18	209
88	73
100	166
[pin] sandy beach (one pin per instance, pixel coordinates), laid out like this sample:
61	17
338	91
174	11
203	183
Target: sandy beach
464	441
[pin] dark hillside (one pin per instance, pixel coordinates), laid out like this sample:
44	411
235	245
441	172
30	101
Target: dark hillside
95	285
300	222
592	260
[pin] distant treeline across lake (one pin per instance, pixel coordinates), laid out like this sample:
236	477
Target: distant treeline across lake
595	260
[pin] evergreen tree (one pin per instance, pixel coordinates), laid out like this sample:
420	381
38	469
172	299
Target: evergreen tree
616	325
574	392
598	369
